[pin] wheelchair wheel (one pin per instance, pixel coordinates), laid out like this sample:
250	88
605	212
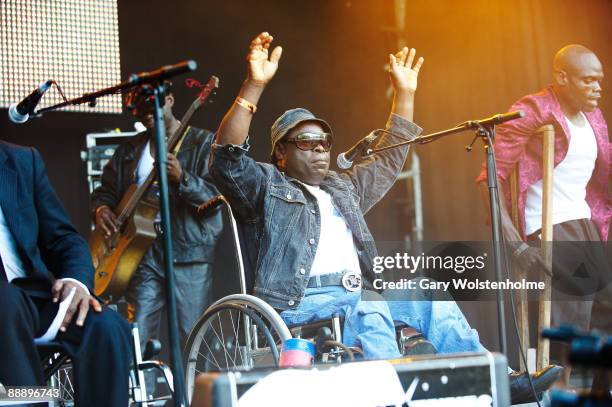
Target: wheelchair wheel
63	379
238	332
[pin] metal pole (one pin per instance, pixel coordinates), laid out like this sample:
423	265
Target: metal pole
164	200
488	135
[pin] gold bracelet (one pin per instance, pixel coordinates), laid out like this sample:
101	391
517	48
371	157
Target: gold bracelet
246	104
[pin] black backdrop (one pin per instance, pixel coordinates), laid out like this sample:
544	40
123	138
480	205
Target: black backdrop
480	57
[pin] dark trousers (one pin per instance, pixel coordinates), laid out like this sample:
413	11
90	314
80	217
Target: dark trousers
147	299
581	273
100	350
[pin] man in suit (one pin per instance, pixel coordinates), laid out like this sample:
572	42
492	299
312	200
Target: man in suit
46	281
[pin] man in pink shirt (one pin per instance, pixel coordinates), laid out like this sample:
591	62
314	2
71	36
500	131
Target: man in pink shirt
581	201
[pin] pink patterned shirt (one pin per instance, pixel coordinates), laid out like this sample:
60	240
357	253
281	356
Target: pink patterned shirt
515	143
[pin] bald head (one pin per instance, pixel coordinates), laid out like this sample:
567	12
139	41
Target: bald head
570	57
577	78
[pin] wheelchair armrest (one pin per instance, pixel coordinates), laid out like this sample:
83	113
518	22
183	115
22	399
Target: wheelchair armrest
165	370
152	348
47	349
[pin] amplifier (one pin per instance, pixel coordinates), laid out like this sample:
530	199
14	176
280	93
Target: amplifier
469	379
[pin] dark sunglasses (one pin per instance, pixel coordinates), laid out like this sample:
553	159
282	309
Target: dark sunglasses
309	141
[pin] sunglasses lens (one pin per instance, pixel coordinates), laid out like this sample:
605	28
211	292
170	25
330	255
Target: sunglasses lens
312	144
310	141
305	145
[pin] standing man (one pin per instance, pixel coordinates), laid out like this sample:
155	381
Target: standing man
194	238
581	199
45	267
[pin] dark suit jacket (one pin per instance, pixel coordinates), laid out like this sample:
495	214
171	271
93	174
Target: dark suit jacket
48	244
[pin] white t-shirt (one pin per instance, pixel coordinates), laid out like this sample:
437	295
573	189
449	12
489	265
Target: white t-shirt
570	179
336	251
144	168
145	164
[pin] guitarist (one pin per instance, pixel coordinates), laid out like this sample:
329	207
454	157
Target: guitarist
194	238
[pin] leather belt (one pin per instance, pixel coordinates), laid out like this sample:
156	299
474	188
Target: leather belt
350	280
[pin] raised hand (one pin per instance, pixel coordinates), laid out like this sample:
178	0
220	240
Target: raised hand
403	74
261	65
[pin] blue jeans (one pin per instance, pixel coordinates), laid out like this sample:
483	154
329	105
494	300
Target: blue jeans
441	322
439	319
369	323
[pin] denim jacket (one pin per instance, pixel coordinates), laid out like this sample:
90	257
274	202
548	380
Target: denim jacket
285	218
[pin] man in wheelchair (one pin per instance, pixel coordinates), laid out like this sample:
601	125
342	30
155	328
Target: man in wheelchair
46	280
313	242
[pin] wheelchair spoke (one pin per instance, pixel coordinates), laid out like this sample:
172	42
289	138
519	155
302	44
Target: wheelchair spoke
236	330
214	362
226	354
223	342
211	353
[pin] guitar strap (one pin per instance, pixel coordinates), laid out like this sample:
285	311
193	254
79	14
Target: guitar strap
176	148
178	145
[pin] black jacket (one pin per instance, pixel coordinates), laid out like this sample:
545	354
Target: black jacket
48	244
193	237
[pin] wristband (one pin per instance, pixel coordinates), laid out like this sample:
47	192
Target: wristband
246	104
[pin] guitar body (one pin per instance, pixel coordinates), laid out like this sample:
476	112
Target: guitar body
117	258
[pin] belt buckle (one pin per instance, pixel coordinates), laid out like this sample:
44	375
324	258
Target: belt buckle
351	281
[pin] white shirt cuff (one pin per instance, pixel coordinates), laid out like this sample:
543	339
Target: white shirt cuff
76	281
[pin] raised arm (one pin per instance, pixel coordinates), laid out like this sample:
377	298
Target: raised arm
374	176
262	66
404	80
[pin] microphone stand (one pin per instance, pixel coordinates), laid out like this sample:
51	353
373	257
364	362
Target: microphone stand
164	72
485	130
156	89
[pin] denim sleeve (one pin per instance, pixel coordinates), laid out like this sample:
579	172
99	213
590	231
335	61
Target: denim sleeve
239	178
374	176
197	186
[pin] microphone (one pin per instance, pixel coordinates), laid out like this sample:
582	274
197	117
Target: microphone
20	112
345	160
496	119
165	72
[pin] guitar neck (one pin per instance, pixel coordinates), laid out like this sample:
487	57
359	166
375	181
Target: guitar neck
171	144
